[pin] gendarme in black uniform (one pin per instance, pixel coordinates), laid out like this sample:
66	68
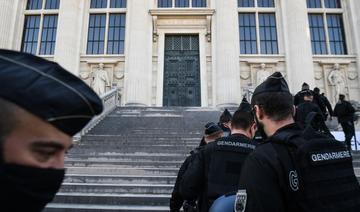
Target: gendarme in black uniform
296	171
216	169
260	177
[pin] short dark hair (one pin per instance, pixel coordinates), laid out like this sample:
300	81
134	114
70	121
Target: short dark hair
316	90
242	120
277	106
342	97
7	118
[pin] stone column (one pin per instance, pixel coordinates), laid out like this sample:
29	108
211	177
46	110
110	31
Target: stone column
298	53
10	16
226	51
67	47
138	53
354	8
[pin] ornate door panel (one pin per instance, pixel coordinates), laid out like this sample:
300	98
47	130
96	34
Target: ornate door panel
182	71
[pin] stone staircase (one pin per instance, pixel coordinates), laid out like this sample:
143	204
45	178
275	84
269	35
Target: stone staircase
130	160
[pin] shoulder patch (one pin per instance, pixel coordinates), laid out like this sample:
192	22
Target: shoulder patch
240	201
323	157
235	144
294	180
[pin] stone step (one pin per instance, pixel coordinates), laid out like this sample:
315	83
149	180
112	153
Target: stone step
121	146
117	188
157	143
116	163
150	137
122	171
128	156
118	149
120	179
112	199
60	207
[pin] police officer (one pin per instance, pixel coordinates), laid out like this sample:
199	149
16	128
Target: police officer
270	180
212	132
225	121
323	103
216	169
344	111
41	107
304	109
299	97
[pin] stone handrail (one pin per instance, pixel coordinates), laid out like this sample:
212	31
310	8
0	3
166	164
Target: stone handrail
110	101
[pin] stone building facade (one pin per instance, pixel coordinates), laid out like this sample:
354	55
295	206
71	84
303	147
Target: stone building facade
191	52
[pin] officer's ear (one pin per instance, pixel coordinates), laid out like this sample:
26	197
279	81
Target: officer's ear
259	112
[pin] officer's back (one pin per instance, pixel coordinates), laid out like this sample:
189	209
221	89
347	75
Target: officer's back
293	170
216	169
303	109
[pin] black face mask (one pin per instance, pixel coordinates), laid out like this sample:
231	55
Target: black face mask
24	188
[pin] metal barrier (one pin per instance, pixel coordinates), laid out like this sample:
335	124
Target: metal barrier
110	101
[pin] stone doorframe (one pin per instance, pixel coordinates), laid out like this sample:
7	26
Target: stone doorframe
202	57
181	22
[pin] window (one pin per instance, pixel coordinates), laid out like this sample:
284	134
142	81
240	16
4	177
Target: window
246	3
181	3
40	26
247	33
259	3
317	31
268	36
106	33
257	27
326	27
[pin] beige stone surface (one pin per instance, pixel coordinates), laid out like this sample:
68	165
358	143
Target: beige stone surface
225	74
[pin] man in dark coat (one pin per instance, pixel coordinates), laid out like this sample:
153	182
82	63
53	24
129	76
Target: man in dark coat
323	103
344	111
305	108
212	132
41	107
299	97
216	169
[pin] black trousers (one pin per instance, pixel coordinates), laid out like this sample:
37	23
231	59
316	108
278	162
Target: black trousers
349	131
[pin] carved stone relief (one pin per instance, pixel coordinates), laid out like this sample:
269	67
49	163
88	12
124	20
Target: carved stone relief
259	72
102	77
254	73
335	80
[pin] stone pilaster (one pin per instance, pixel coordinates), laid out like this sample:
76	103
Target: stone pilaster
10	17
298	51
68	37
354	8
138	53
226	52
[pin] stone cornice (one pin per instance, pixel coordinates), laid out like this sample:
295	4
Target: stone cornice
165	12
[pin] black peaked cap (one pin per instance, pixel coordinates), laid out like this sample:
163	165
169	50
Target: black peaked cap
211	128
274	83
47	90
244	106
226	115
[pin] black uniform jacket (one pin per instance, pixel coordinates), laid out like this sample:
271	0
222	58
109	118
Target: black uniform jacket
344	111
260	178
176	200
299	97
303	109
216	169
